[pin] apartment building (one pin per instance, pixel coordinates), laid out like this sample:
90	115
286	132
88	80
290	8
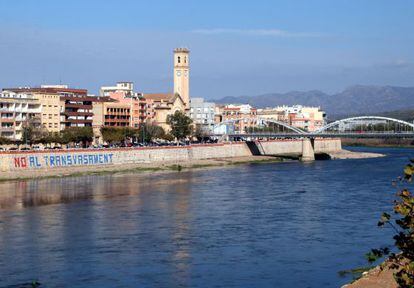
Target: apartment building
16	111
75	106
243	116
306	118
124	87
203	113
51	108
141	108
117	115
110	113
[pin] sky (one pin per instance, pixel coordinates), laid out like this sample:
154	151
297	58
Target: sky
237	47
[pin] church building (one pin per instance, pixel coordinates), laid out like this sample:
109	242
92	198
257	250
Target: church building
168	103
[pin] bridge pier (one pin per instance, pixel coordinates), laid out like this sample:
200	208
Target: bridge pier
308	151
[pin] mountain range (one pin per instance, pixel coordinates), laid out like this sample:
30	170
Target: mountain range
354	100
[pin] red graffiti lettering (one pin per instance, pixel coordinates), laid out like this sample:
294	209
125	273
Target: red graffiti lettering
20	162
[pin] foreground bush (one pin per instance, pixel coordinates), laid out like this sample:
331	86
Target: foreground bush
402	221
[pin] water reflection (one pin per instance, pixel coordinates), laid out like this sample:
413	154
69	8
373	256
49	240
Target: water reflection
273	225
24	194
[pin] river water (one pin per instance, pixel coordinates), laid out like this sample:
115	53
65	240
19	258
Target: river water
254	225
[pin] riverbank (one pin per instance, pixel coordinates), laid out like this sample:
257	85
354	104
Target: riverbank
165	166
346	154
374	278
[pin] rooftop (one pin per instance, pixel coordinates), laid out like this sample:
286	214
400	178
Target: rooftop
182	49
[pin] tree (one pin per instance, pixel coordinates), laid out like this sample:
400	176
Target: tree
403	225
118	134
4	141
180	125
128	132
200	133
112	134
168	137
51	137
78	134
32	132
149	132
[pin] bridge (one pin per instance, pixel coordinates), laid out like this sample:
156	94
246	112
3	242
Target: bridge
259	129
353	127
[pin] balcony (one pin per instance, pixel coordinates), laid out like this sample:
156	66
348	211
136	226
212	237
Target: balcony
78	105
78	121
7	129
74	113
117	120
4	109
8	120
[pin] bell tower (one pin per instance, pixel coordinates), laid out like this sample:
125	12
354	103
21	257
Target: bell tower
182	74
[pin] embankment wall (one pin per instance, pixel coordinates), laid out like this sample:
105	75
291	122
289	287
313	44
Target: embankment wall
15	161
294	146
35	160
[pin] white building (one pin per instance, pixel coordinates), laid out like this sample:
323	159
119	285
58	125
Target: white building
202	113
305	118
15	110
125	87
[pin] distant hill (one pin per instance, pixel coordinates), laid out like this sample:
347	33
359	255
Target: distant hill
354	100
406	115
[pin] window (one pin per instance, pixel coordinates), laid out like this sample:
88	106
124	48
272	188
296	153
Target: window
179	59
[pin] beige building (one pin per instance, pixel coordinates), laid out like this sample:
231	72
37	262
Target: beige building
51	109
98	118
164	105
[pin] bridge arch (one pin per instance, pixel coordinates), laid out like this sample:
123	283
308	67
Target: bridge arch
261	120
365	118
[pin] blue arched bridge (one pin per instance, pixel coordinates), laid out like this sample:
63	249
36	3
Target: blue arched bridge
353	127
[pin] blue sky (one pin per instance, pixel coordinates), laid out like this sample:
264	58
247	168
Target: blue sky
237	47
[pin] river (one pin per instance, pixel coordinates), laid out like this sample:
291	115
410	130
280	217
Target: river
256	225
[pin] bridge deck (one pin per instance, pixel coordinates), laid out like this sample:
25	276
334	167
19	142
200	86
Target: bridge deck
320	135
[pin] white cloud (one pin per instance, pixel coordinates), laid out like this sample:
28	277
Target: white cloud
256	32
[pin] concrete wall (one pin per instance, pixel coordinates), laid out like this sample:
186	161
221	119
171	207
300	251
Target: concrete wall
55	159
327	145
281	147
294	146
34	160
